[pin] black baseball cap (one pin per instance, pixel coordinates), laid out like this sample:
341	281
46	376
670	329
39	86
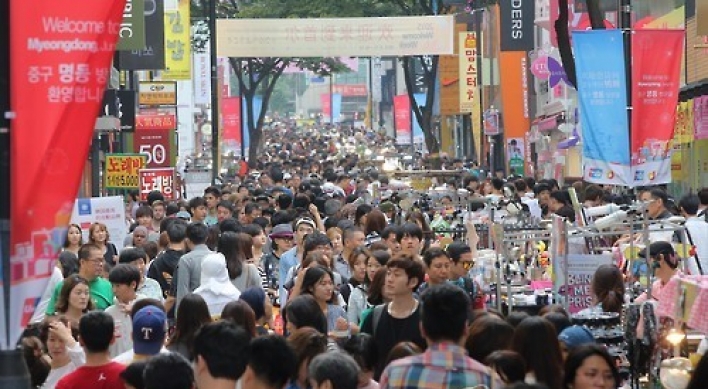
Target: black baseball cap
657	248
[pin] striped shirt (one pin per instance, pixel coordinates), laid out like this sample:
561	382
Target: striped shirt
442	366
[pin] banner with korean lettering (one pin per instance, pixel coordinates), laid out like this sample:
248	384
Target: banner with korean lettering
162	180
122	170
155	145
231	125
59	68
402	119
202	79
599	59
656	66
178	45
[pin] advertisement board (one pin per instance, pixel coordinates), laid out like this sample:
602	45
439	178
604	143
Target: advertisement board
107	210
153	93
122	170
162	180
155	145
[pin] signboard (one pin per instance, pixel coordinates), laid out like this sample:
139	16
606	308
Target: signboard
162	180
196	181
122	170
350	37
120	104
515	91
517	25
178	46
152	55
157	93
350	89
132	29
402	119
515	155
155	145
156	122
202	78
581	268
469	90
107	210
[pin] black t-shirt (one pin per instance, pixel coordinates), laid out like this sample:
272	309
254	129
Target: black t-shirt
163	269
391	331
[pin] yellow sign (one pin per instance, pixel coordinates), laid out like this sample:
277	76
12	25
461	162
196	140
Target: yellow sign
469	90
449	78
178	57
122	170
683	127
157	93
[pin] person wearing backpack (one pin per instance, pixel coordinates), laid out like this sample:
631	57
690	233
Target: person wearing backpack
398	320
462	261
696	232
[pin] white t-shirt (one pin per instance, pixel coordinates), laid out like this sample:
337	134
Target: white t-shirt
77	359
127	357
41	310
123	330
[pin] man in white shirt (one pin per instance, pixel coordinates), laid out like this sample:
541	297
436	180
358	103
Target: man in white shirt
124	279
697	231
703	207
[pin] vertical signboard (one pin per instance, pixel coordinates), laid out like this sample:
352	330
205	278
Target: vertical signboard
131	35
517	25
202	79
152	55
161	180
60	65
178	46
515	89
155	145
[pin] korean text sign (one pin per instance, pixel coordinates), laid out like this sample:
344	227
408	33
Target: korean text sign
162	180
59	67
155	145
178	57
122	170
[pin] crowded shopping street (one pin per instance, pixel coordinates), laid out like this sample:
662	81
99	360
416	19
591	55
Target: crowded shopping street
354	194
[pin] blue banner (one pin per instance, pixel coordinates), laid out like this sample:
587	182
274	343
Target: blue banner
336	107
257	106
418	136
602	91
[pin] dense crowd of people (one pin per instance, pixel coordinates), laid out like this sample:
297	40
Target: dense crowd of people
298	277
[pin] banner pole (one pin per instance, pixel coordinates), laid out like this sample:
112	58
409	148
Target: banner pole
625	19
215	91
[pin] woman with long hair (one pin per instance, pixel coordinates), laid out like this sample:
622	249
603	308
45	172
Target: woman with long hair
361	215
318	281
98	235
258	242
375	224
73	239
67	265
608	290
535	339
303	311
357	299
357	268
193	315
235	246
74	298
418	218
335	236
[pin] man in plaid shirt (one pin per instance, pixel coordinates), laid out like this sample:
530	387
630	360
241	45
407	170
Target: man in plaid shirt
445	364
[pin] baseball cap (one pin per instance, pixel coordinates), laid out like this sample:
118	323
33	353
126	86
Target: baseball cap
148	330
282	231
575	336
657	248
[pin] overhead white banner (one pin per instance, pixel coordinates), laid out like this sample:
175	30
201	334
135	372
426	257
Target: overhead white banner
362	37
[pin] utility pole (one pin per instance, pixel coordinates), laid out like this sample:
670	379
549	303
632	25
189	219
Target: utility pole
625	19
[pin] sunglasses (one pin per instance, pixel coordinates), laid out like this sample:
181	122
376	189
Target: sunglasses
467	265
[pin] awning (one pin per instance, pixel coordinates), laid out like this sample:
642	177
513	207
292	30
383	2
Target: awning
550	123
694	89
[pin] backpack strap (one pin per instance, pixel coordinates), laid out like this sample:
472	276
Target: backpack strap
376	317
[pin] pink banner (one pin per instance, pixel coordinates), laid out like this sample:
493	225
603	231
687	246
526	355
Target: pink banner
402	121
700	117
655	85
231	127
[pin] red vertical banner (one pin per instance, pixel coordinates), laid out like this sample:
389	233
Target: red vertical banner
326	101
231	129
402	119
656	68
60	65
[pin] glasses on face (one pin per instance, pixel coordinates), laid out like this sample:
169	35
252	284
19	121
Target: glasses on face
467	265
